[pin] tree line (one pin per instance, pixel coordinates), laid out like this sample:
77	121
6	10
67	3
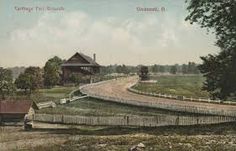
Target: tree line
189	68
32	78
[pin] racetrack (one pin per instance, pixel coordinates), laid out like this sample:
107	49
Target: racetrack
116	90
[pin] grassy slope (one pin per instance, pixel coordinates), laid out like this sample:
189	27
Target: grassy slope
95	107
53	94
176	85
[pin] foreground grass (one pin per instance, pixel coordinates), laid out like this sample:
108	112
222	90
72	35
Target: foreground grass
43	95
95	107
57	92
190	86
53	94
175	138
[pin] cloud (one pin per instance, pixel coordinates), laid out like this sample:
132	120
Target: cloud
115	40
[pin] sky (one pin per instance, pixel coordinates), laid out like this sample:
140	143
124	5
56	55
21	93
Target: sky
32	31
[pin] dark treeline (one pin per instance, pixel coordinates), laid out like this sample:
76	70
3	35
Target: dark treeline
190	68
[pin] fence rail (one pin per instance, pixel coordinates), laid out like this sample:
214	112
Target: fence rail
47	104
147	121
177	107
184	98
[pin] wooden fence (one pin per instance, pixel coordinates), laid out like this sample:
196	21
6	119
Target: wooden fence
182	98
147	121
47	104
179	108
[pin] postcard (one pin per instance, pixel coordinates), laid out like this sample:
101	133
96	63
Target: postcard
109	75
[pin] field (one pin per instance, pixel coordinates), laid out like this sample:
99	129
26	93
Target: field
95	107
189	86
53	94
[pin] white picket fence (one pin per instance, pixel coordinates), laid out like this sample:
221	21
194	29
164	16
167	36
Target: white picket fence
74	98
169	96
147	121
47	104
181	108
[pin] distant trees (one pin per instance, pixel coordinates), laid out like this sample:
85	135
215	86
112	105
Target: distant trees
30	80
173	69
6	82
52	70
219	69
162	69
185	69
107	69
190	68
155	68
122	69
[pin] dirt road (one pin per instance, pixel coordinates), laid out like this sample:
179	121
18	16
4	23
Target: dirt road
15	138
118	89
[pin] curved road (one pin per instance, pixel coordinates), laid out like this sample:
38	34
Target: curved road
115	90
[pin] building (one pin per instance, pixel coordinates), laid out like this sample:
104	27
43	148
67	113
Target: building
14	111
81	65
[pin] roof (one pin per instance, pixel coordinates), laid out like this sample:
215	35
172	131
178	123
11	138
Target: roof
88	61
21	107
78	64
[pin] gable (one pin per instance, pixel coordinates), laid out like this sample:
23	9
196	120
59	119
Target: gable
77	58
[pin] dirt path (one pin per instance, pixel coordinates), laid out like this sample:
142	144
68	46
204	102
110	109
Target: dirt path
118	89
14	138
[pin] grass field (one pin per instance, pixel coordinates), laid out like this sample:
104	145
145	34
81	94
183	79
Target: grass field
189	86
53	94
43	95
95	107
58	91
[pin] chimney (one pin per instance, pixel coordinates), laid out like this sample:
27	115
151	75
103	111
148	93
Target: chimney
94	57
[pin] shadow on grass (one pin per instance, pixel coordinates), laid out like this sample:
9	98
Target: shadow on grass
216	129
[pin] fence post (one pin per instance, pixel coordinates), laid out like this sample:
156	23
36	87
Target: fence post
177	120
127	120
62	118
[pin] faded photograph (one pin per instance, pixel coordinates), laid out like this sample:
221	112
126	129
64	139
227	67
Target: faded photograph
109	75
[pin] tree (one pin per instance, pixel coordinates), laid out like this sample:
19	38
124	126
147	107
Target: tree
122	69
76	78
143	73
173	69
162	69
52	70
220	69
192	68
6	82
24	82
30	80
184	69
154	68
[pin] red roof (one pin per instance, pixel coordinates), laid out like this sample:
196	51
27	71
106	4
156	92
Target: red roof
15	106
